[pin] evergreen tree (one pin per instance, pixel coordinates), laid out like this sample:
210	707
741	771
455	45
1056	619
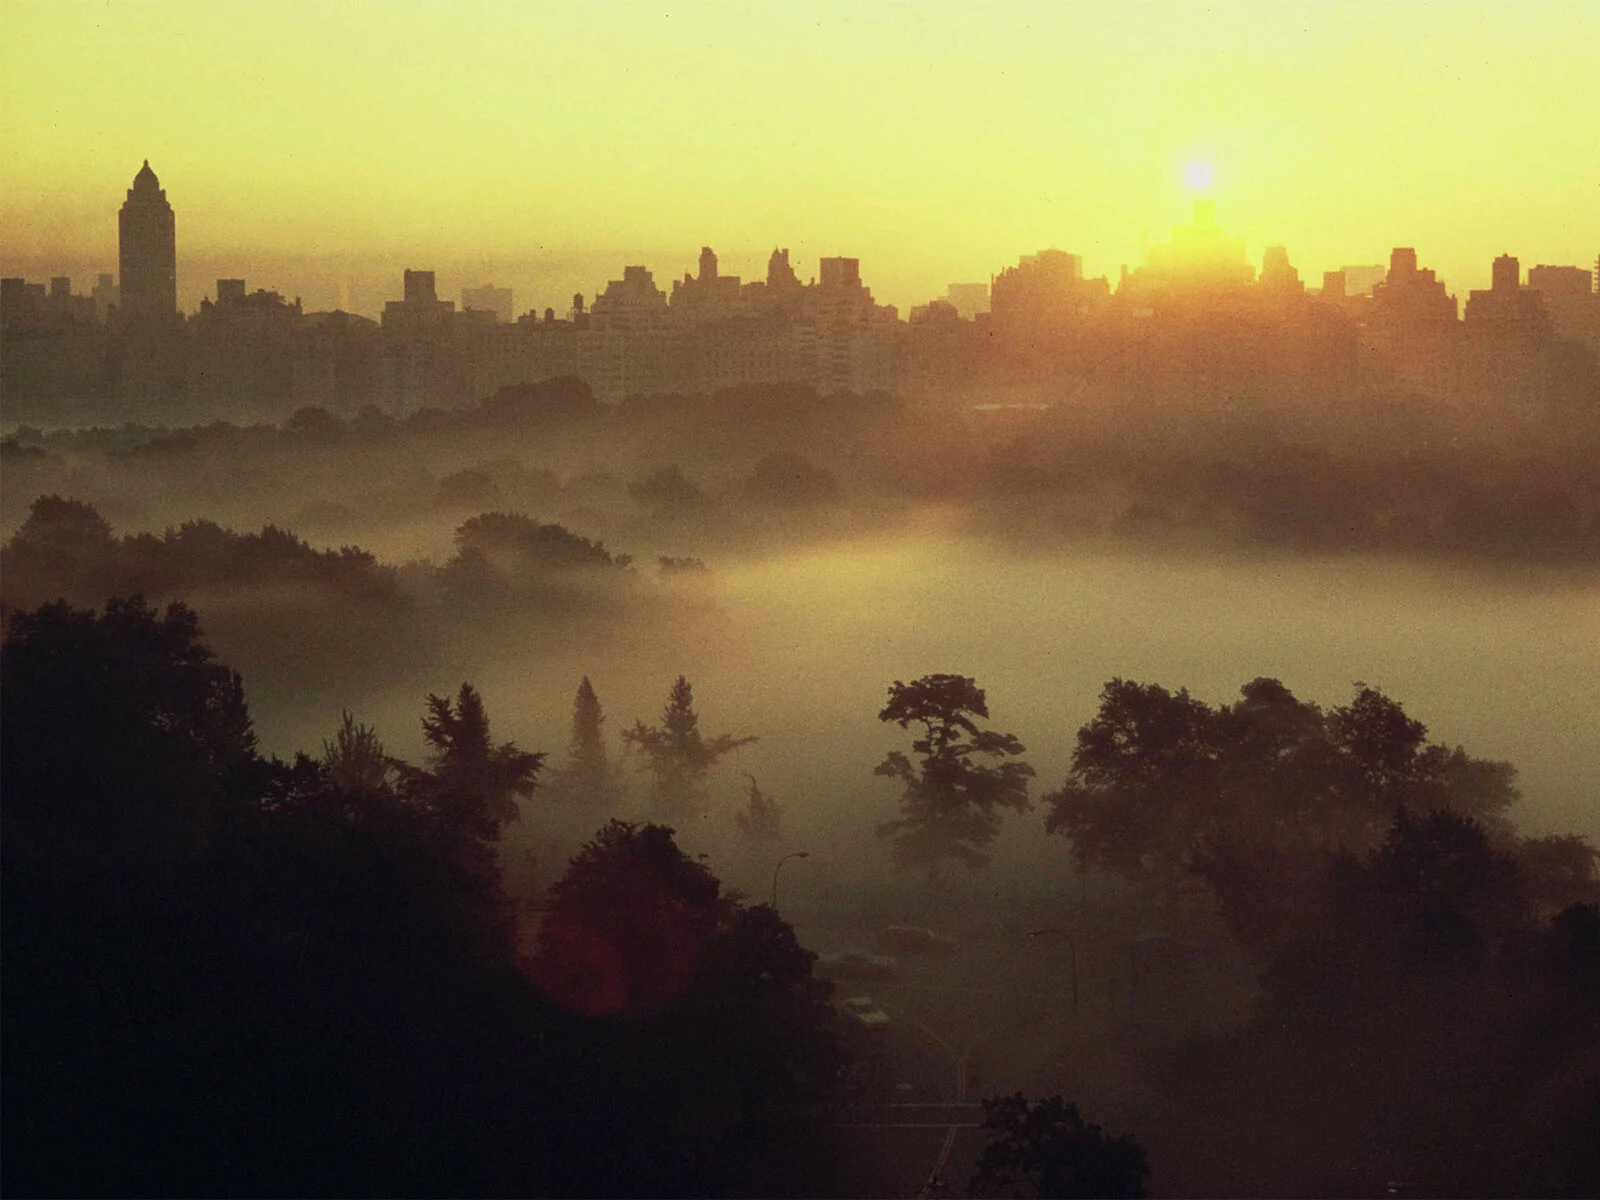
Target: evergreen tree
588	776
466	771
677	756
761	819
355	759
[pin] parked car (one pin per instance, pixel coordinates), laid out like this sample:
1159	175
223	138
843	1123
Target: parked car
854	964
865	1012
912	939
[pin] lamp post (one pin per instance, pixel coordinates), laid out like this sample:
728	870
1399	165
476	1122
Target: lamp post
1072	948
778	867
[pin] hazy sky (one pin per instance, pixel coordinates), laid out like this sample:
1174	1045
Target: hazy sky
321	148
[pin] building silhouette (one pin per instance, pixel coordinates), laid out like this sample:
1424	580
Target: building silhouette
420	351
488	298
52	344
1044	291
1279	279
147	250
1411	296
1570	300
1506	308
242	348
1194	323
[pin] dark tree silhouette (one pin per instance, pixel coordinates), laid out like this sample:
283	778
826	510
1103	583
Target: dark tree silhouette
1436	886
229	976
761	818
1048	1150
1134	800
518	543
708	1046
1425	1031
66	548
122	736
625	925
670	495
233	976
676	755
64	542
466	771
355	759
1254	799
589	776
1558	871
952	797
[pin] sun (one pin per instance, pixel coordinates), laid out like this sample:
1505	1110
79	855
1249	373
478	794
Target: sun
1198	175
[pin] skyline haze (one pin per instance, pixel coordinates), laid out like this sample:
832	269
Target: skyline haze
534	149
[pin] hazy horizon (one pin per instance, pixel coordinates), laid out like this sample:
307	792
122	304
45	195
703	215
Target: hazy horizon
405	722
539	149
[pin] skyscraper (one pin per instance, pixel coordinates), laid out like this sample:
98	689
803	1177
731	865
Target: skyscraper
149	253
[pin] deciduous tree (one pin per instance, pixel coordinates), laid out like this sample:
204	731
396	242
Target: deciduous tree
1048	1150
1254	799
122	734
708	1045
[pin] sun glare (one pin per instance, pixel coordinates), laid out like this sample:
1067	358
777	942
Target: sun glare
1198	175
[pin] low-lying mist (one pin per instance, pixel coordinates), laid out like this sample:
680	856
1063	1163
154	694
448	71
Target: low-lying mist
799	648
793	572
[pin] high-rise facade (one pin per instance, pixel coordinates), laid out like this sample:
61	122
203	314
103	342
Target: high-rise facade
148	250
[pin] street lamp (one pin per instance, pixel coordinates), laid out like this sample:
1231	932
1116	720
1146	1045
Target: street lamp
1072	948
778	867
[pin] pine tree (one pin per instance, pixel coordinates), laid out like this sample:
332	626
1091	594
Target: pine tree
677	757
355	759
465	767
761	819
588	776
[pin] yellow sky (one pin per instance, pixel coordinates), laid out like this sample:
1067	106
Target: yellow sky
321	148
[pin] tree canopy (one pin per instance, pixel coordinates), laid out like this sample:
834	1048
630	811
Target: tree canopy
761	818
677	755
123	735
1164	789
466	771
1048	1150
227	974
703	1014
953	795
1423	1029
233	975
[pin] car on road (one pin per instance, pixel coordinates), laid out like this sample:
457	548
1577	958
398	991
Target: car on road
865	1011
854	964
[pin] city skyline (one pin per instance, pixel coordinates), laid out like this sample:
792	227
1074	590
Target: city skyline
713	330
147	203
535	150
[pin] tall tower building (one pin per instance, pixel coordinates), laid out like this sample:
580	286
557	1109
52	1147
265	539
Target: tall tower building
149	250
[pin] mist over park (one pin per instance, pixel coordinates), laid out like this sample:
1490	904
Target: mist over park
1307	797
837	600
